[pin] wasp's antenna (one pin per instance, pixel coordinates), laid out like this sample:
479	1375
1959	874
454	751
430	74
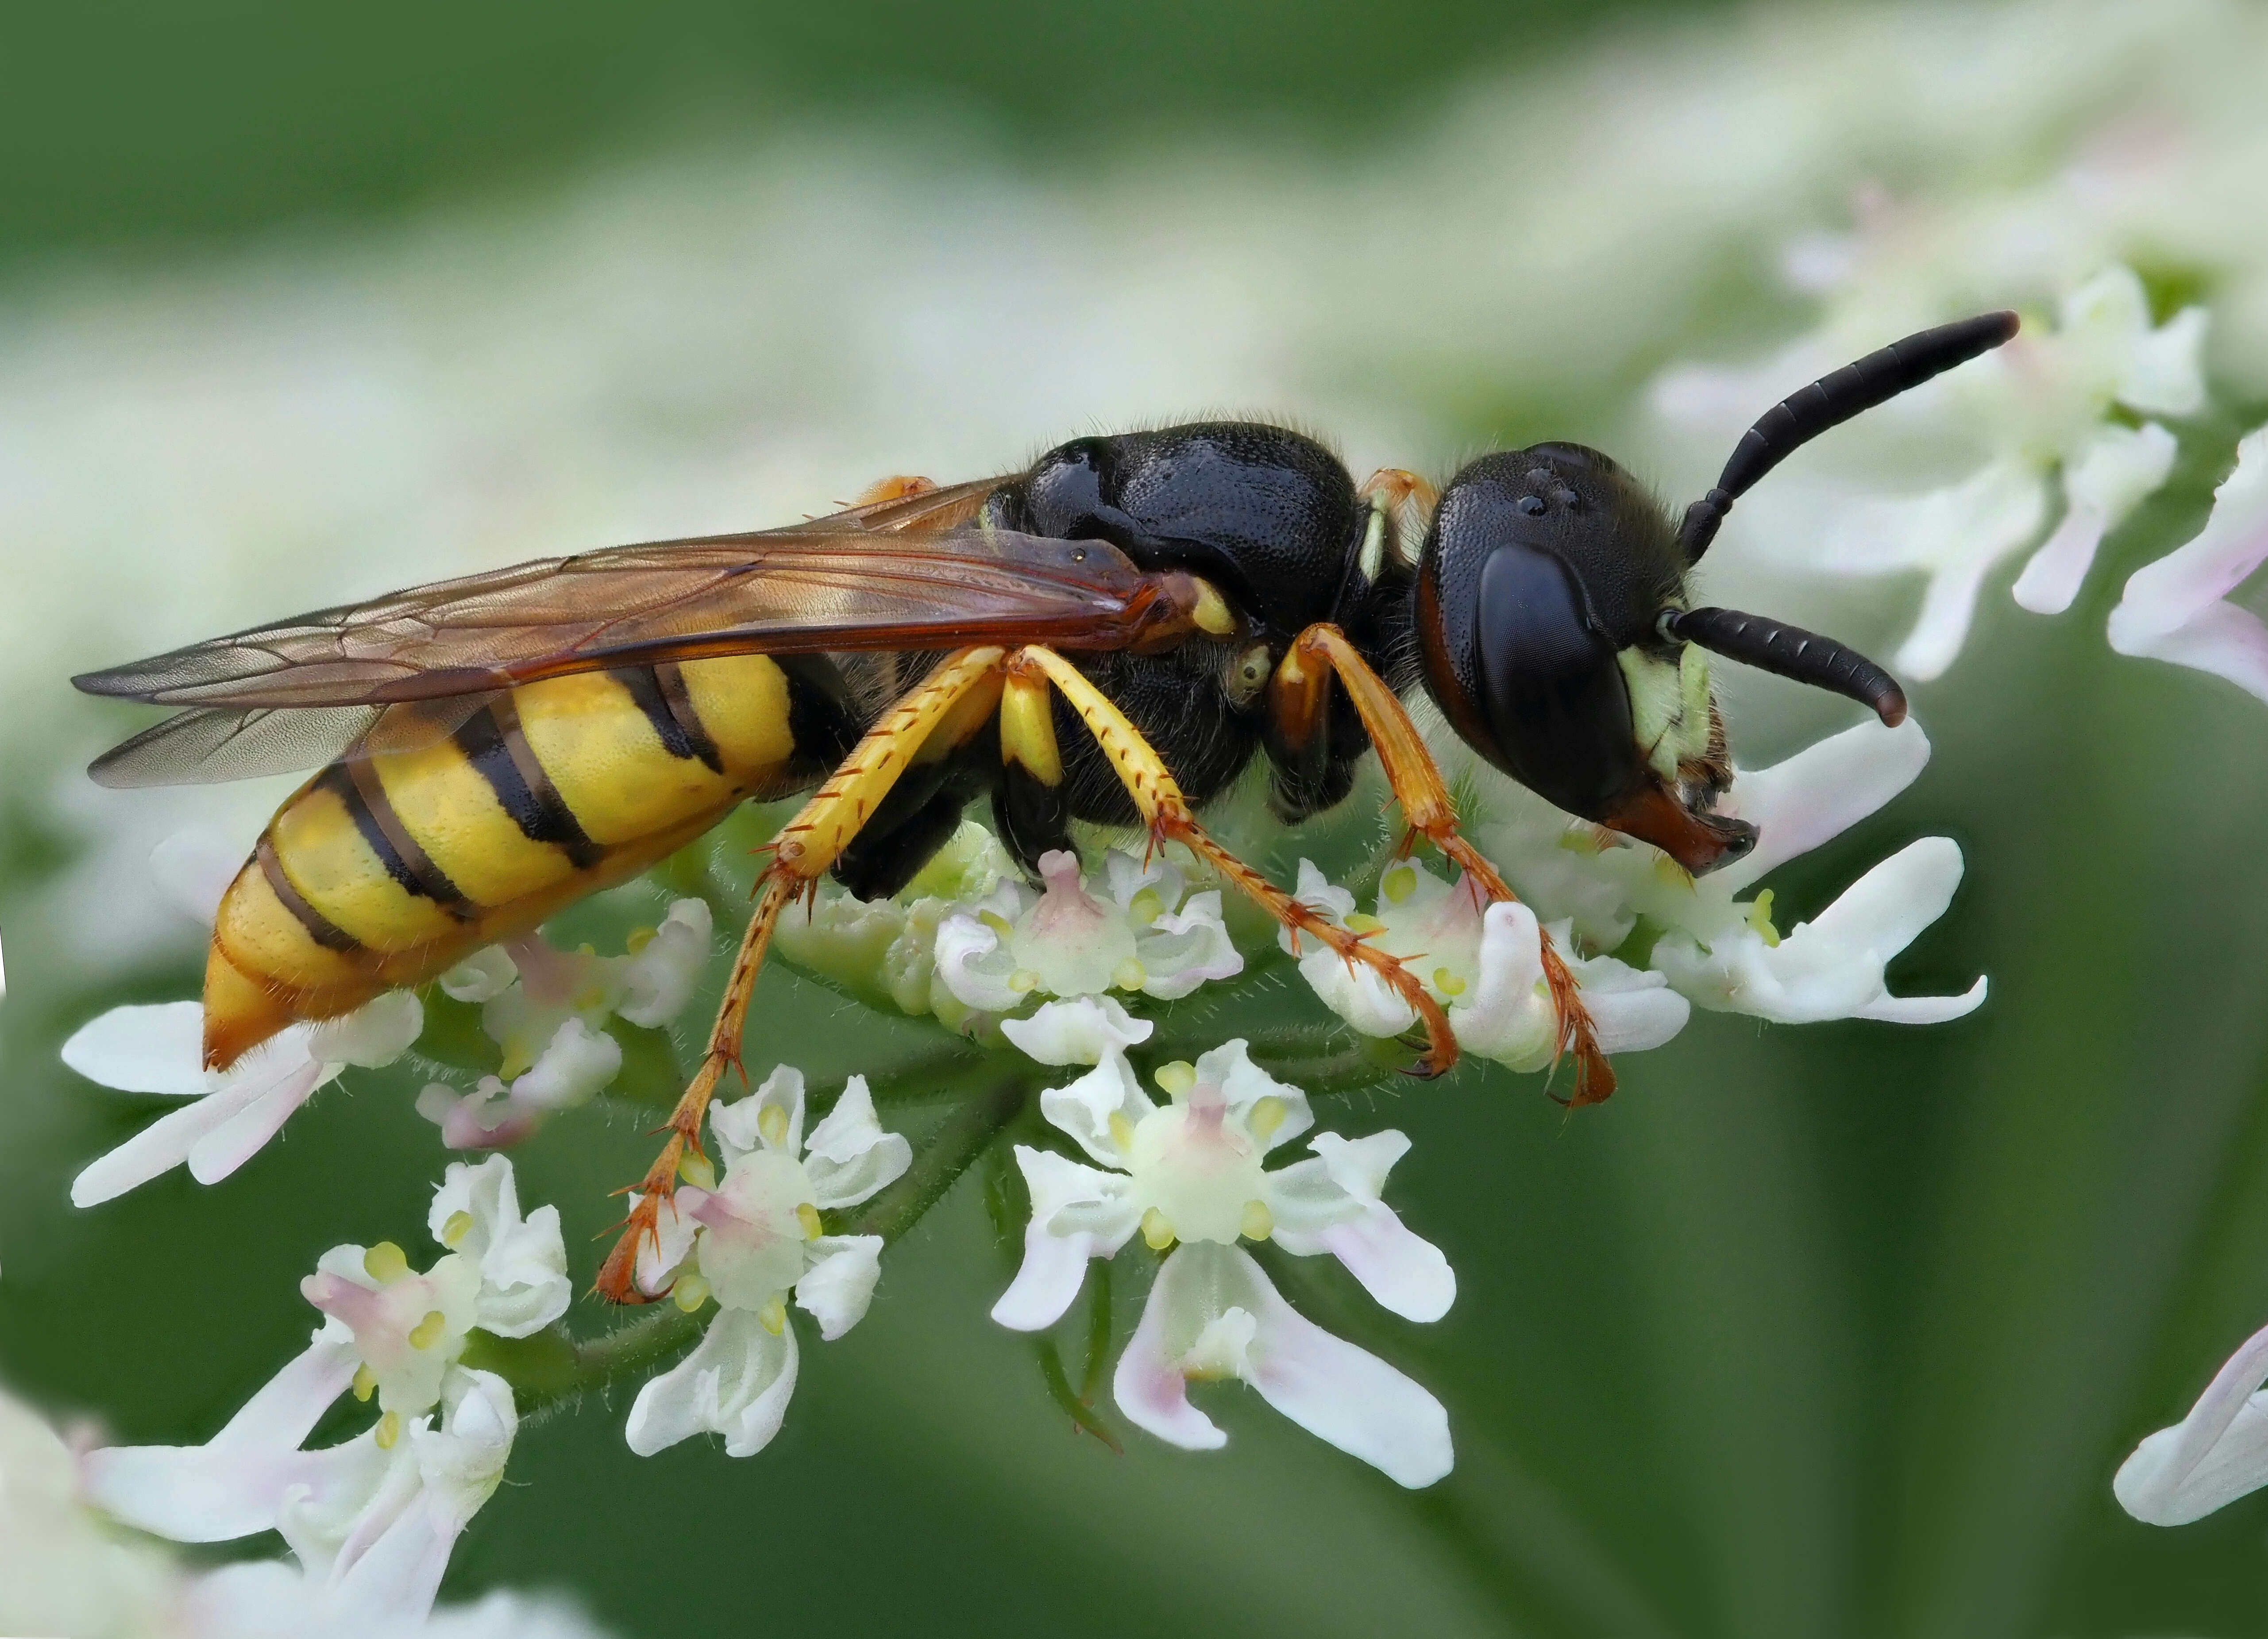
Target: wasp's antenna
1791	653
1831	401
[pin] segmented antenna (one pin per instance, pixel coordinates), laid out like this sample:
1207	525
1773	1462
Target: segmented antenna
1791	653
1831	401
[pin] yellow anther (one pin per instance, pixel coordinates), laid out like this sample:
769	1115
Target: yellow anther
1448	983
1176	1079
459	1226
1671	873
589	998
1760	917
1122	1130
366	1381
519	1057
639	938
1579	839
1023	981
1267	1115
428	1332
689	1291
697	1169
1399	884
1146	906
1258	1222
995	920
771	1121
807	1215
1130	975
386	1263
389	1431
586	949
1363	922
1156	1232
773	1316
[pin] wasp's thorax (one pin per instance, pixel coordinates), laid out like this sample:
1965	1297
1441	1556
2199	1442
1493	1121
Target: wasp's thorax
1541	591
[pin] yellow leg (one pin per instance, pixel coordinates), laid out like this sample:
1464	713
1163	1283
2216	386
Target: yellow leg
1425	804
1158	799
801	855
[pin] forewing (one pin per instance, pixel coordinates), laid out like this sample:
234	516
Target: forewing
839	583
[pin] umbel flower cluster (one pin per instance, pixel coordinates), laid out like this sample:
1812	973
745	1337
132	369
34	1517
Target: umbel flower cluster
1200	1156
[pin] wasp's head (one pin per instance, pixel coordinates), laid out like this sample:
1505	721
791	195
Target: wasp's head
1551	618
1541	591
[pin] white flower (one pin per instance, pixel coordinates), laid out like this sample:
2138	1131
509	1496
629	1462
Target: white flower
1482	962
546	1009
371	1521
2042	403
1064	941
1725	953
2208	1459
160	1049
1192	1170
2177	608
751	1243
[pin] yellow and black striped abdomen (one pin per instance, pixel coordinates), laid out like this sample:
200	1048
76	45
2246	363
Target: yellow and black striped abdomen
381	871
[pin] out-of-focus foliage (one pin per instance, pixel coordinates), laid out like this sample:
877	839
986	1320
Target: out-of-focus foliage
1832	1331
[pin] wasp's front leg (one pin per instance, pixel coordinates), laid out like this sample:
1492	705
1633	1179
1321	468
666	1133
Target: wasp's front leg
1299	698
1029	737
958	695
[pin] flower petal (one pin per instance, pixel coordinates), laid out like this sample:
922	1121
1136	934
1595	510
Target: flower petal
157	1148
1818	793
574	1068
2172	609
1149	1384
244	1133
1055	1261
1243	1084
739	1126
375	1034
839	1285
736	1383
157	1049
1083	1108
193	868
660	980
2104	481
1084	1030
484	975
522	1261
2208	1459
849	1157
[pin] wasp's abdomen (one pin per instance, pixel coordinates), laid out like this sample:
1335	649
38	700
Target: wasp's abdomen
381	871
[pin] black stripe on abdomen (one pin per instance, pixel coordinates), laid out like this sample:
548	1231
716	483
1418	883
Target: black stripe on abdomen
492	743
356	784
319	928
659	691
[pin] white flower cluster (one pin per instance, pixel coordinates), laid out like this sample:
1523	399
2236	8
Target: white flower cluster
370	1523
547	1011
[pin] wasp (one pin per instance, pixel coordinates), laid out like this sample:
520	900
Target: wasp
1113	635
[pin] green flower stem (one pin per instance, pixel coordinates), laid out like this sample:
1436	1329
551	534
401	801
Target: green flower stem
551	1368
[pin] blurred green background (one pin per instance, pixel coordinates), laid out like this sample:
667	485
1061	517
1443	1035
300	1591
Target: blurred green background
1818	1331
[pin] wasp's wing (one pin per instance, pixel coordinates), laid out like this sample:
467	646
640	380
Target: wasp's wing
886	576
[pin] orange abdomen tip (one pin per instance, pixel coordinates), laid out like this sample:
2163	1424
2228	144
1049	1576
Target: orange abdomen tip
240	1013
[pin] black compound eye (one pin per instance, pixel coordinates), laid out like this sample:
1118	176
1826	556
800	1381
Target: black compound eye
1553	692
1531	505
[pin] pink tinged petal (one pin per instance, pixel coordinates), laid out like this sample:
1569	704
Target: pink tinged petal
2102	482
2216	1454
849	1157
737	1382
1083	1108
233	1485
1149	1384
1818	793
2171	609
157	1049
483	1119
839	1285
237	1140
193	868
373	1035
1085	1030
1054	1259
1406	1273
